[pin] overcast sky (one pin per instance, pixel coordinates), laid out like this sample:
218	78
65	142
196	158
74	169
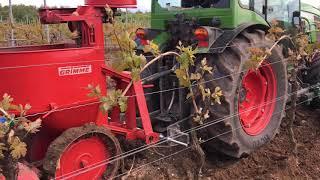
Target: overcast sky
143	5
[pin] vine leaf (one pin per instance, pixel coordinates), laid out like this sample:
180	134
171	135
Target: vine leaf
195	76
275	32
33	127
216	96
206	93
5	104
114	98
201	116
95	91
18	148
152	48
205	68
257	56
183	77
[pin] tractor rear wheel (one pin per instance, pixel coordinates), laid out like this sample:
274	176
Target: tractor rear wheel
83	153
254	101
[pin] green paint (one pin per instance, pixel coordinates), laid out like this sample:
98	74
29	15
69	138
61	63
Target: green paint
310	15
231	17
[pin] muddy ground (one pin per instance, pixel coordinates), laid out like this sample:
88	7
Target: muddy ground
274	161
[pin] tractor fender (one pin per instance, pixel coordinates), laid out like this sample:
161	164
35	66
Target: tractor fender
221	43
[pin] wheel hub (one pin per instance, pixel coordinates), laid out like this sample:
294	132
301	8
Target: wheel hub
257	99
82	154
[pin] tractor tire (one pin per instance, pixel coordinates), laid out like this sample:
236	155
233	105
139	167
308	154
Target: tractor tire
250	114
83	153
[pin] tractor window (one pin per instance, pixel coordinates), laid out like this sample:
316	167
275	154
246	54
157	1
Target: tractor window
254	5
170	3
245	3
282	10
258	6
179	4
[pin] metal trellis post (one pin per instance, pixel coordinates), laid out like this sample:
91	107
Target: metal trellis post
12	41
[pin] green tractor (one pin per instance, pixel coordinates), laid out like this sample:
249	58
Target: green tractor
222	30
310	24
310	16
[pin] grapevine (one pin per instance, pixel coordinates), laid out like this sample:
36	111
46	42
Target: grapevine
300	53
14	128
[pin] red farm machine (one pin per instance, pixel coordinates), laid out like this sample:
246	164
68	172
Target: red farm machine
53	78
77	141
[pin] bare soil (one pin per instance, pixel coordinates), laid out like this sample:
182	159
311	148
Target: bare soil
274	161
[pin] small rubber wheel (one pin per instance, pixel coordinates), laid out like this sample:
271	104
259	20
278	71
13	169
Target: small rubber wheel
83	153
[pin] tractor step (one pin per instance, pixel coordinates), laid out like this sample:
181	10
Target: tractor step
176	136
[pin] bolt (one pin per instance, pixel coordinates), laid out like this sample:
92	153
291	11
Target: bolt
83	164
262	110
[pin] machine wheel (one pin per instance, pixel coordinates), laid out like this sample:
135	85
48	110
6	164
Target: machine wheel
254	101
79	150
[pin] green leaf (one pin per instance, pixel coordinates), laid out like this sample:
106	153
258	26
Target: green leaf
183	77
123	103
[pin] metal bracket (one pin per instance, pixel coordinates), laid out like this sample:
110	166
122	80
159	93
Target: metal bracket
175	135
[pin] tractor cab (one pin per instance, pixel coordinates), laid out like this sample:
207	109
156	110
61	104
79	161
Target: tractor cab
178	19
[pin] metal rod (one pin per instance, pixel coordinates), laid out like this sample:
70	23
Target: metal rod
177	142
12	42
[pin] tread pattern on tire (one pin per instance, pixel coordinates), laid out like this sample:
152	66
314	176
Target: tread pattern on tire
230	63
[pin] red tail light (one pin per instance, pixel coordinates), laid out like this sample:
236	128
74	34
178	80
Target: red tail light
141	34
202	36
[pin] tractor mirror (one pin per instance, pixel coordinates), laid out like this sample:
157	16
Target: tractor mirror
296	19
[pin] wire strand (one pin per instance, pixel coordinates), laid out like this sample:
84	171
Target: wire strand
140	149
180	151
152	93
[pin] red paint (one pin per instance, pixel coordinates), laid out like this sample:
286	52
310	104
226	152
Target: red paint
82	154
53	79
25	173
257	107
113	3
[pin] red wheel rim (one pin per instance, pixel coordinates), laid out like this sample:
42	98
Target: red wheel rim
257	99
82	154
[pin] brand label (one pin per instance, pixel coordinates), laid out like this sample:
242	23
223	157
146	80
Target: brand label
74	70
